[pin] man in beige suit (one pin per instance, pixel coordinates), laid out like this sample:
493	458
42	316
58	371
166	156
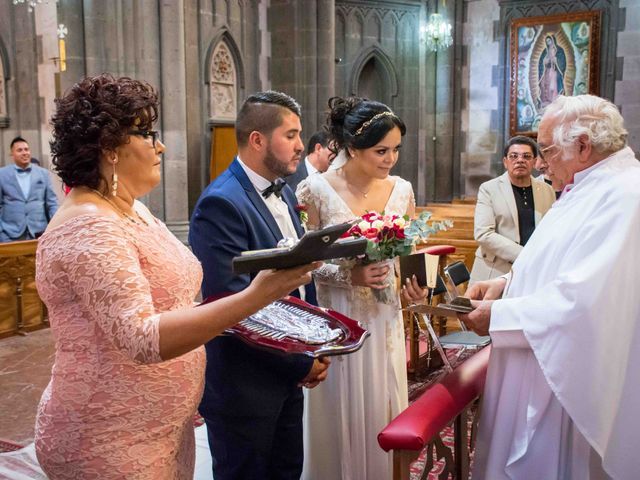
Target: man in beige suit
509	208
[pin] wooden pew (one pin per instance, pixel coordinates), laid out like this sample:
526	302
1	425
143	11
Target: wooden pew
21	309
461	235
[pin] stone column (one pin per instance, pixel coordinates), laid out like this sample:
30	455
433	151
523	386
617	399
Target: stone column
303	55
174	118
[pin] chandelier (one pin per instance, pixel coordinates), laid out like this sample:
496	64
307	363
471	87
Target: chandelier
437	33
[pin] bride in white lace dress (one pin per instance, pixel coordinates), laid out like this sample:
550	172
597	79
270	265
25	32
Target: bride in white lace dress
364	390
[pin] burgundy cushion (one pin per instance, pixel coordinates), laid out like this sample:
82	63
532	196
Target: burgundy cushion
440	250
437	407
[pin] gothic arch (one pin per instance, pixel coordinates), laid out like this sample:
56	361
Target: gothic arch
376	57
227	82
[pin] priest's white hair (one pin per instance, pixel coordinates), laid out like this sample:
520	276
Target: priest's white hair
595	117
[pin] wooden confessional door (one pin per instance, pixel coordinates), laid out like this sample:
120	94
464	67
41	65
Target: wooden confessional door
223	149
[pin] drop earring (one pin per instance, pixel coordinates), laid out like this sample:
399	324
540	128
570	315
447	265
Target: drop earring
114	179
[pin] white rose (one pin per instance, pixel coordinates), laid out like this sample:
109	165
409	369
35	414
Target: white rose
364	225
377	224
400	222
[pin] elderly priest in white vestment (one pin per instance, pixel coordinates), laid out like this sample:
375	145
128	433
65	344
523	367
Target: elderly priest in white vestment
562	395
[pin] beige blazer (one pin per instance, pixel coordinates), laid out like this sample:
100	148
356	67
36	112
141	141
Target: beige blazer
496	225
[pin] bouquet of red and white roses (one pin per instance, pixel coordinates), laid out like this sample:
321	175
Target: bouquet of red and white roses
390	236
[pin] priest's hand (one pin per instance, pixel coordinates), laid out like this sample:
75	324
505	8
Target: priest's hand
317	374
487	290
479	319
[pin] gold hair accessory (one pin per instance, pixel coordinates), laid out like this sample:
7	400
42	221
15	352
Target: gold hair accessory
377	116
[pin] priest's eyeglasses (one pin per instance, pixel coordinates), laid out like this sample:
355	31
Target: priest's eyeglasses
154	135
513	156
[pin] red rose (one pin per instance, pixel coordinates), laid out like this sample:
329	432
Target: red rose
371	233
370	216
301	208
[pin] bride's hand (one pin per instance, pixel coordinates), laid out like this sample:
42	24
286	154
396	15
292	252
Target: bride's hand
413	292
372	275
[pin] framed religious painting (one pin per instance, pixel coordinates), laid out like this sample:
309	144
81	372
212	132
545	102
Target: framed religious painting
551	56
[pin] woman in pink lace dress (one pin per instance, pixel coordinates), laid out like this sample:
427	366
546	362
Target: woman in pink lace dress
119	287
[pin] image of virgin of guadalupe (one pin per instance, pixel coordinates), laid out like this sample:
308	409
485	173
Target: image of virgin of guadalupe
551	70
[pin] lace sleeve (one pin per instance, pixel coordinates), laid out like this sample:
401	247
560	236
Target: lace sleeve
306	197
337	275
103	270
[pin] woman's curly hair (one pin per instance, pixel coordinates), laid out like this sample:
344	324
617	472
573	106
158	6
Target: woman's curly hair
93	118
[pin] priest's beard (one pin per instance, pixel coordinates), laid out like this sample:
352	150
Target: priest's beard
277	166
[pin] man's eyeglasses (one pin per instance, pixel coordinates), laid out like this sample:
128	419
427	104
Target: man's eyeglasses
147	134
515	155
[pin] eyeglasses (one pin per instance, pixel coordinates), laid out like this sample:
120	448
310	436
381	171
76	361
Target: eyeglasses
515	156
544	150
154	135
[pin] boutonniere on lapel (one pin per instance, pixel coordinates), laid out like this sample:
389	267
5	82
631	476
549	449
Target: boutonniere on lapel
302	214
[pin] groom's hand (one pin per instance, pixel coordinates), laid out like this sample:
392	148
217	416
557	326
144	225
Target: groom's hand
317	374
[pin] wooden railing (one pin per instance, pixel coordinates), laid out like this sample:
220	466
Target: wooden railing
446	402
21	309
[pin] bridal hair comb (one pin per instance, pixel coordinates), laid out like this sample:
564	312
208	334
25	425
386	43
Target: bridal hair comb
377	116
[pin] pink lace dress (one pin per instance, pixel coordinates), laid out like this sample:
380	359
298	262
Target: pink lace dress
113	408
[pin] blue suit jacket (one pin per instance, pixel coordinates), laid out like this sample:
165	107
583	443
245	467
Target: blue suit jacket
229	218
18	213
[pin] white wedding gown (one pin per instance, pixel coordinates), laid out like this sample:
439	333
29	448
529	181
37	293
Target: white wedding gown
366	389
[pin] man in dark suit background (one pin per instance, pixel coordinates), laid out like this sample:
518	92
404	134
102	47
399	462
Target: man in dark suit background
253	399
27	200
318	159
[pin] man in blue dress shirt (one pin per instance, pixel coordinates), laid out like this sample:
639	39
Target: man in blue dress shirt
27	200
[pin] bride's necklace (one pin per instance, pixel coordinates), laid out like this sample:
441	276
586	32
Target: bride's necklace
352	187
364	194
129	217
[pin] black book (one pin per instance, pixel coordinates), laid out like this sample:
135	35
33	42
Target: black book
423	266
322	244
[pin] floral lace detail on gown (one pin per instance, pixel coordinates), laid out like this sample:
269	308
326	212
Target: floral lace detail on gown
332	209
113	408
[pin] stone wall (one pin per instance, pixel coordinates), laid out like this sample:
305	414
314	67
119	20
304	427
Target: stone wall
19	47
627	87
378	54
480	93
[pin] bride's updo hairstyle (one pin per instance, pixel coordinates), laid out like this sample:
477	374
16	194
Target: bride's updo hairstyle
358	123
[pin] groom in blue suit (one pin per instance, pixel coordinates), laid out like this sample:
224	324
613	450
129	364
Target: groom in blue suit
27	200
253	400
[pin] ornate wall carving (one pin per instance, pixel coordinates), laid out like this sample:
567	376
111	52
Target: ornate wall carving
223	84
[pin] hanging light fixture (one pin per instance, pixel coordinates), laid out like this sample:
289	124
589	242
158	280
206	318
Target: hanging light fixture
437	32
